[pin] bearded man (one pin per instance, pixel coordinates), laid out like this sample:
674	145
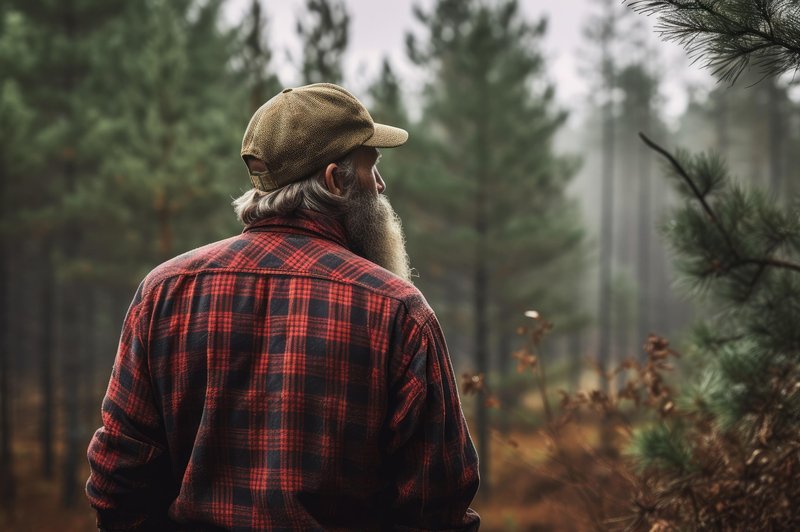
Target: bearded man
291	377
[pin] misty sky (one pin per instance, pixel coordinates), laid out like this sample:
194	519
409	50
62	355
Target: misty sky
379	27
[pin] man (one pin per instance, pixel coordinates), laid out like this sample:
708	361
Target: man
291	377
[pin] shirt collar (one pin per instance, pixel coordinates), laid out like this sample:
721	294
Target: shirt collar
302	221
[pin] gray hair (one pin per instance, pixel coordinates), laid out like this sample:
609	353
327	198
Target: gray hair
308	193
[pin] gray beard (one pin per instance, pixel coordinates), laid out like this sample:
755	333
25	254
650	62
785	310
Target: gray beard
376	233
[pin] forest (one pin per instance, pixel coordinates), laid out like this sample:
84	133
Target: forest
618	287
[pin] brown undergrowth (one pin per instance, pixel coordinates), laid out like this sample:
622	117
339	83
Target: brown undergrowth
595	474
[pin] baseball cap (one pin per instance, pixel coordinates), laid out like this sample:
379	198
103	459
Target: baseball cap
302	129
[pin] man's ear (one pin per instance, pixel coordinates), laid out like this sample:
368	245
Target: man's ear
332	181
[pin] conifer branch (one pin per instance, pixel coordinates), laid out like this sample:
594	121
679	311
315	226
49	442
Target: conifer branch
696	191
775	263
740	261
731	33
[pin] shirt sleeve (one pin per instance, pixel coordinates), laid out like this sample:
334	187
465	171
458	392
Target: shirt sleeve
431	457
129	468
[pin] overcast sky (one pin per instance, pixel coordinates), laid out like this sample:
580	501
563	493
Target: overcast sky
378	29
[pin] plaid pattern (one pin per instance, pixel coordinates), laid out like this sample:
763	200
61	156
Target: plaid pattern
277	381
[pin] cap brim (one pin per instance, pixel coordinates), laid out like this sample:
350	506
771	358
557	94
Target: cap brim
387	137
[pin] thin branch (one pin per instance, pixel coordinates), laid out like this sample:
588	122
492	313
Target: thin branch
740	261
775	263
680	170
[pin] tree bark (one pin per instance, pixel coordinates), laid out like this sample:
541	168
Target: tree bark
482	330
606	226
645	230
47	313
71	395
7	484
72	296
481	288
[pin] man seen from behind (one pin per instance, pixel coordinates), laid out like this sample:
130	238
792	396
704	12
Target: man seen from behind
291	377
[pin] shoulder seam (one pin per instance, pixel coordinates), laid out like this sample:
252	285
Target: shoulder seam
421	320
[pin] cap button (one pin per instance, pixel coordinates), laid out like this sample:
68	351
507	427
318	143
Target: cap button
284	91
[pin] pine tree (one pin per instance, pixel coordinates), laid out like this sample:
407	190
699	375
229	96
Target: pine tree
754	128
324	39
387	96
16	118
176	136
256	57
57	37
729	36
115	143
602	30
640	207
726	456
495	187
402	168
387	106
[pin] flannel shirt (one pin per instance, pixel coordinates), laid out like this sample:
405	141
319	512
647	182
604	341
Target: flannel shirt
277	381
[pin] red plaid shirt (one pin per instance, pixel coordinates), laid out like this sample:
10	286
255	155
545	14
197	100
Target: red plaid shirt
277	381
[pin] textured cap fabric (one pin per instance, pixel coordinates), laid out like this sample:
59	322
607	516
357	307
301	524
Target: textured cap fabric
301	130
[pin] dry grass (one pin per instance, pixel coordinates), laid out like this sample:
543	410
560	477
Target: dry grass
529	491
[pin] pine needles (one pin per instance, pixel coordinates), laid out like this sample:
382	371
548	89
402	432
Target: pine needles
722	452
729	36
728	456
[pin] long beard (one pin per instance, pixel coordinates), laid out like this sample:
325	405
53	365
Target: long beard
376	233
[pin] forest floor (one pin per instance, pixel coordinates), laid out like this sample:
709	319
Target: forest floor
39	504
531	492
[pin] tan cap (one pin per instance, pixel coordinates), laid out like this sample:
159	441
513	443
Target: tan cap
301	130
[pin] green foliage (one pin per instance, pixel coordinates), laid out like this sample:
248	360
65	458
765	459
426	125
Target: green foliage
256	56
738	247
730	35
661	446
400	168
387	98
719	448
491	177
127	147
324	39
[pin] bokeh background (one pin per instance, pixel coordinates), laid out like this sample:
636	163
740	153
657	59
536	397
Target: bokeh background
531	207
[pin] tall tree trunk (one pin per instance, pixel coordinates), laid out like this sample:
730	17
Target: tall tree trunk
482	329
71	396
71	300
481	288
7	484
645	230
662	315
70	313
605	303
89	343
606	236
73	296
47	313
72	308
